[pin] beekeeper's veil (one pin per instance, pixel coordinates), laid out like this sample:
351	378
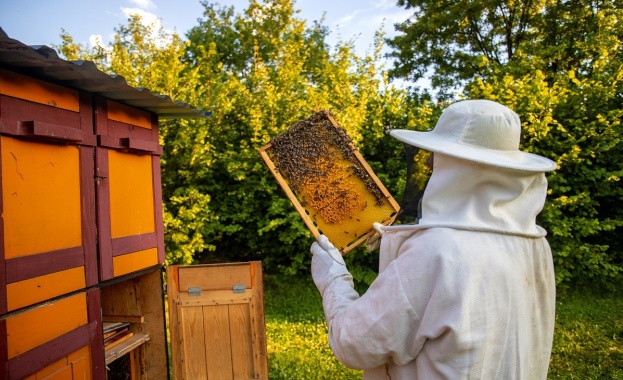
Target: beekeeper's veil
480	179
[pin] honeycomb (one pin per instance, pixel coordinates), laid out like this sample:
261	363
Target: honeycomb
332	187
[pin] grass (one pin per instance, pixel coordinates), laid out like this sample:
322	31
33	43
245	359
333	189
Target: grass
588	339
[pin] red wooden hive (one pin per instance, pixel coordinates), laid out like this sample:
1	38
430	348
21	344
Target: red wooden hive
81	232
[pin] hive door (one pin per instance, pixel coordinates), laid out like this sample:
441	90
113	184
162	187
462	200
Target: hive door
216	320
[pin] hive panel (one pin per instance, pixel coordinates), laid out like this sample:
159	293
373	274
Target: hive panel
328	181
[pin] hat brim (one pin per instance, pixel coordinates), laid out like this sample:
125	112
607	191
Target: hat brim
506	159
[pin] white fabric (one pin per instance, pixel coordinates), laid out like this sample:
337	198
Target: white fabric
480	131
374	241
467	294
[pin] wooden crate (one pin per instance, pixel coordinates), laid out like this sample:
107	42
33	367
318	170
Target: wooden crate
216	319
55	338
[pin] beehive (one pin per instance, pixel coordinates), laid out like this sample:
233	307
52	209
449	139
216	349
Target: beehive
328	181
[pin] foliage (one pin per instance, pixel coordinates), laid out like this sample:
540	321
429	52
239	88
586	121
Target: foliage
561	72
557	63
262	71
461	39
588	337
296	332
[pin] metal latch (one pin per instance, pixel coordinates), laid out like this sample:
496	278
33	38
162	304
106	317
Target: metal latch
194	291
239	288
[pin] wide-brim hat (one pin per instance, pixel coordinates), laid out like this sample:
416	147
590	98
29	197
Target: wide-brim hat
481	131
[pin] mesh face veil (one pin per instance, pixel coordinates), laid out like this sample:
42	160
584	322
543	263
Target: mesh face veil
411	202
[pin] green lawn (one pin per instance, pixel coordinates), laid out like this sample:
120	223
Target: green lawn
588	341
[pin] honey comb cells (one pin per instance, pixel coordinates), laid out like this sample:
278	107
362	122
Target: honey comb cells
332	187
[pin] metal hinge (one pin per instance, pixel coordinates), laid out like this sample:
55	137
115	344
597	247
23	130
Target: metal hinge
239	288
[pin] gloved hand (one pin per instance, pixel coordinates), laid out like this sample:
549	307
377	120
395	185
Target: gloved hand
374	241
331	278
327	263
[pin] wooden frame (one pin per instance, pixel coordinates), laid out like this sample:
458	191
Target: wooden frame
110	247
335	233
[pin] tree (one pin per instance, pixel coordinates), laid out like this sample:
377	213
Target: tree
262	71
562	74
459	40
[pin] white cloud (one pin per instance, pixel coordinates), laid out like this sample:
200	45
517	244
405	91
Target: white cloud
144	4
96	40
147	18
150	20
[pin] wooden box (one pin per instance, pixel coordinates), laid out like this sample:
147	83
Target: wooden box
217	321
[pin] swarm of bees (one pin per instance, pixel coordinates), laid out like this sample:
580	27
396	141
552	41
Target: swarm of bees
316	158
328	182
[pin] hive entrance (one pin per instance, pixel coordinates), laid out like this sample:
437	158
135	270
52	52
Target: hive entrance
328	181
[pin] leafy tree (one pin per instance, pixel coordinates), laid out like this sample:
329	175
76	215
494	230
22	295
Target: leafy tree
559	67
263	71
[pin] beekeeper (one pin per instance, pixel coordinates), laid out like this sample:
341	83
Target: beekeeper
469	291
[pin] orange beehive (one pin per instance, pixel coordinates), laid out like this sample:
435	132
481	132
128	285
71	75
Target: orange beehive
82	236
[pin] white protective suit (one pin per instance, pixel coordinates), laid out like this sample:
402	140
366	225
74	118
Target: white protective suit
468	293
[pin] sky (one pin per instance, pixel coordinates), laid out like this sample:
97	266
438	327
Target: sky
39	22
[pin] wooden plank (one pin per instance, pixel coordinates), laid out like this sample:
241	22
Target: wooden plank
123	318
3	300
35	90
241	337
153	361
87	201
256	307
134	261
194	343
128	244
13	111
37	326
214	277
117	339
126	346
103	212
121	298
38	289
4	353
214	297
158	207
96	347
218	350
127	114
25	267
175	327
